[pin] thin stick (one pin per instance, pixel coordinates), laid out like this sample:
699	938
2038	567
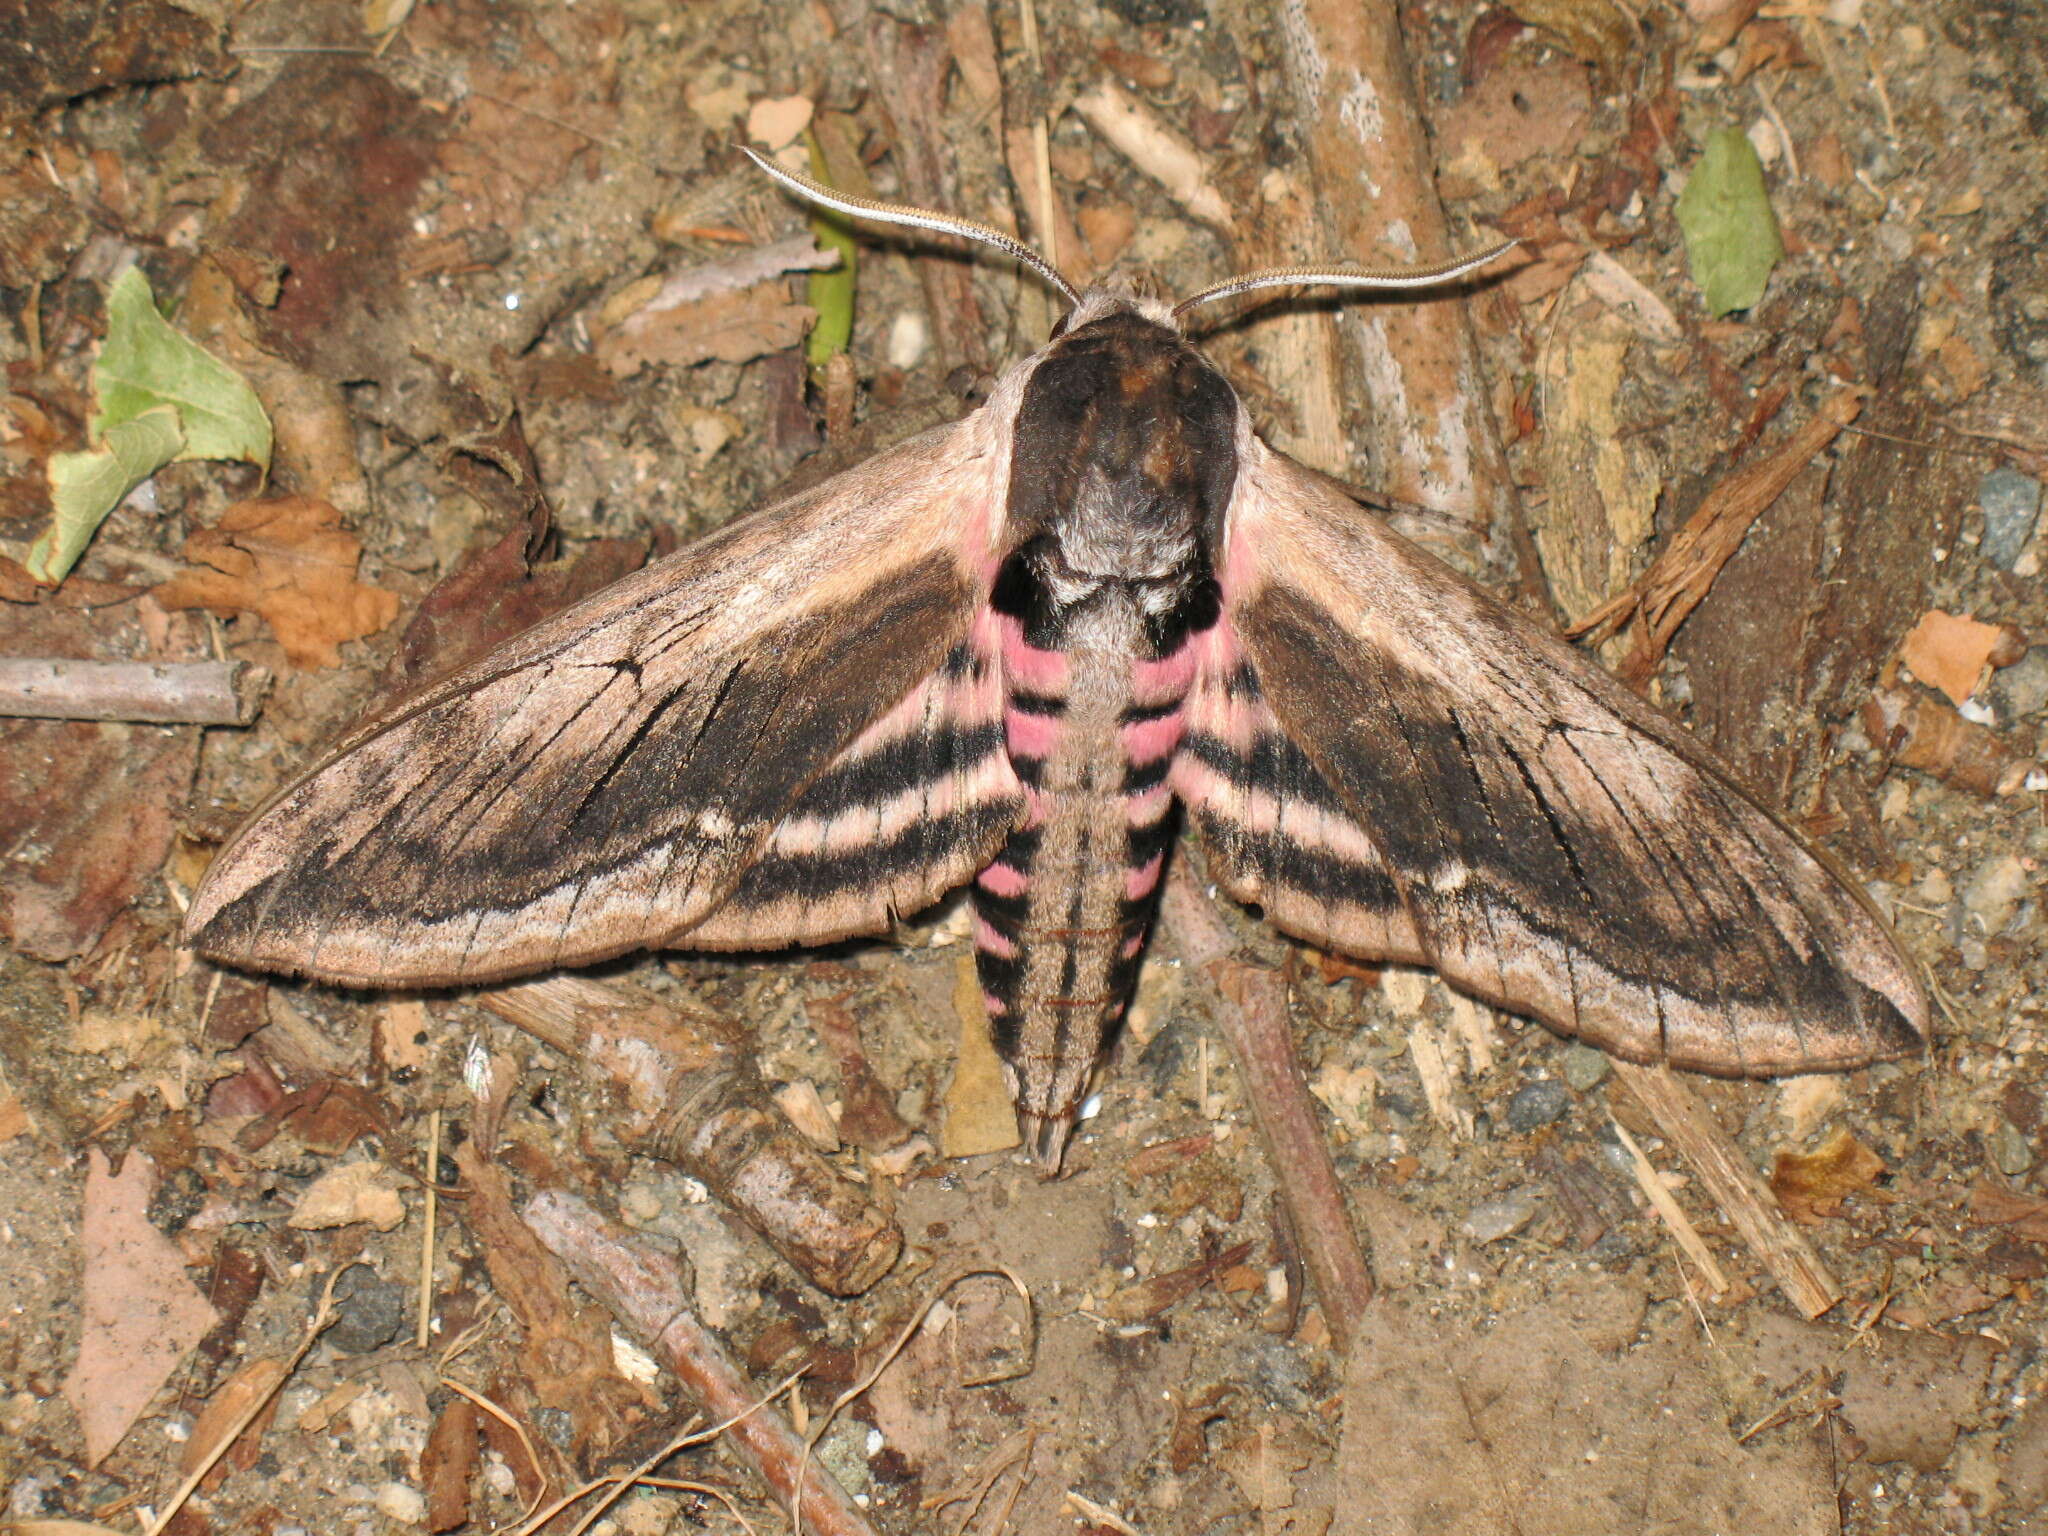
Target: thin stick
423	1331
146	692
646	1290
519	1431
1254	1021
1735	1185
322	1318
1682	1229
904	1337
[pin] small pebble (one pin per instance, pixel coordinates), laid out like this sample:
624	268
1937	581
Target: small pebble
1584	1068
368	1312
1497	1219
402	1503
2012	504
2010	1151
1995	891
843	1453
2021	689
1536	1105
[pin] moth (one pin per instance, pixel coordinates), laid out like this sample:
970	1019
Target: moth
1012	653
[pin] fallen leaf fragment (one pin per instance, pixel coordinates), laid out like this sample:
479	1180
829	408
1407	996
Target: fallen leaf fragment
726	327
86	487
1950	651
1731	234
140	1314
979	1115
448	1465
341	1197
2024	1215
290	561
1812	1185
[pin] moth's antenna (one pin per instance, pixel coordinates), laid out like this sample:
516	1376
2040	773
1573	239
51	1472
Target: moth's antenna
1431	276
917	218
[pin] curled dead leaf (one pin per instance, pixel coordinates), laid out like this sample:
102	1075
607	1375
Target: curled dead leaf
290	561
1812	1185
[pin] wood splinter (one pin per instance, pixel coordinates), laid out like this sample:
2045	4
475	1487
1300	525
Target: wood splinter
139	692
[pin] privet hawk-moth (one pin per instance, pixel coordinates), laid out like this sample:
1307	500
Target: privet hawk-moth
1007	654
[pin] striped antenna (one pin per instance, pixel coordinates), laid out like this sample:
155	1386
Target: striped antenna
1380	278
916	218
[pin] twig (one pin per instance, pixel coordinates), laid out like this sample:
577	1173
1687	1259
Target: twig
908	1331
540	1471
1735	1185
646	1290
1254	1021
150	692
322	1318
1101	1514
695	1099
423	1329
1684	572
1431	435
744	269
1682	1229
1131	128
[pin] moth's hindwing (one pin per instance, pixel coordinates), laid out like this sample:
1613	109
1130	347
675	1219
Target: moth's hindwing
1395	765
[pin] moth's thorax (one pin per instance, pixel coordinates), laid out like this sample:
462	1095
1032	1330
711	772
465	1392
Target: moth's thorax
1125	452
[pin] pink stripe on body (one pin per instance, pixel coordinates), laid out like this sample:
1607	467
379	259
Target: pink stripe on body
1026	666
1001	879
1030	735
990	938
1139	882
1146	741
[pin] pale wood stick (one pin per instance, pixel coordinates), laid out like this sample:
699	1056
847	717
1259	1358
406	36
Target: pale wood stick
1134	131
1736	1185
647	1291
1254	1020
1683	1231
149	692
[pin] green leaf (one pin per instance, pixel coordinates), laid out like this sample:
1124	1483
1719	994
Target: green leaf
829	292
85	487
1731	235
146	364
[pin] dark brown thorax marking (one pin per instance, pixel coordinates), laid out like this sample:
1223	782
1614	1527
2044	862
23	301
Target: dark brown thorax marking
1124	459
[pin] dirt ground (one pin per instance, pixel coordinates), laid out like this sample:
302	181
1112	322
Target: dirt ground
436	243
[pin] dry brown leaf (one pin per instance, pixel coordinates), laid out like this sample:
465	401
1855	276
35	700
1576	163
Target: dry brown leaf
2023	1215
727	327
1149	1298
979	1115
448	1465
1598	31
290	561
141	1315
1812	1185
253	1383
1949	651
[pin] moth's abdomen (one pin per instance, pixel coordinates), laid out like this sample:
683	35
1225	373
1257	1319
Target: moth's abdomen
1062	913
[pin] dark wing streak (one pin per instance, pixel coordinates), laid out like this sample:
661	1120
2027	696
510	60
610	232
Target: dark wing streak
1571	858
1472	867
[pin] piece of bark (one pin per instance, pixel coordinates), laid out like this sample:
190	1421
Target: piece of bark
567	1357
647	1290
907	67
1919	731
693	1096
1684	571
1430	435
448	1464
1253	1017
149	692
1735	1185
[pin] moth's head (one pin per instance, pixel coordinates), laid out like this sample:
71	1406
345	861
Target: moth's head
1082	306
